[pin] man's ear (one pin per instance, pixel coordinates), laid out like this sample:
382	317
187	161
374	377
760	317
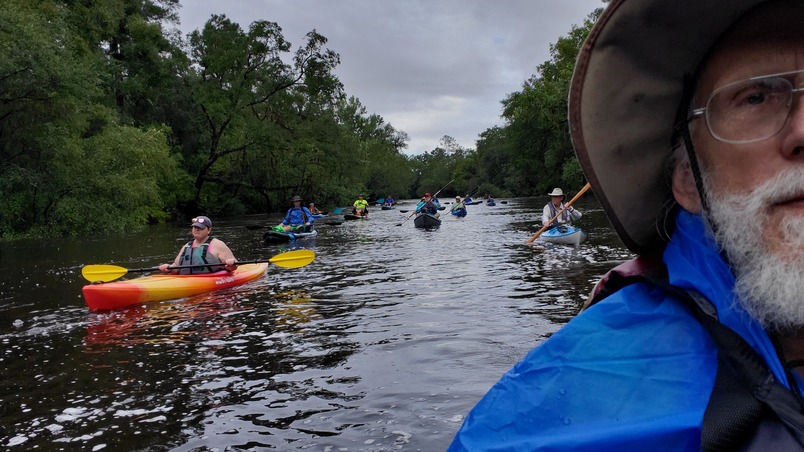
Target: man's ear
684	189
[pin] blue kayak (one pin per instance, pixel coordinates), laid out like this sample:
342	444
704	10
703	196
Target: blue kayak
567	235
272	237
459	212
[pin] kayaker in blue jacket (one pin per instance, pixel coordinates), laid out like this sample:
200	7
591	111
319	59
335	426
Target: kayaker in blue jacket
203	249
298	218
428	205
697	158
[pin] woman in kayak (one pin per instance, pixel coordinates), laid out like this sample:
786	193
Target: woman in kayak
458	204
202	250
315	210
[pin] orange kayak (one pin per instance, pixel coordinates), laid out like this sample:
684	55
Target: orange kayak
111	295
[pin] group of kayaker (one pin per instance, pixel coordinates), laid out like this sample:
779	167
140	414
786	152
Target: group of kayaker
206	250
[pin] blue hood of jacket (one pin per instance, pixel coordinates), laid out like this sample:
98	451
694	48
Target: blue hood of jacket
632	372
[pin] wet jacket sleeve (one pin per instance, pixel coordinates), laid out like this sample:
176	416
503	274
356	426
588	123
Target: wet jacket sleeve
632	373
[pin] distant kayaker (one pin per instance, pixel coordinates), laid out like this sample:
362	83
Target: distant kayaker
555	205
203	249
428	205
467	199
458	204
687	119
389	201
297	218
314	210
360	207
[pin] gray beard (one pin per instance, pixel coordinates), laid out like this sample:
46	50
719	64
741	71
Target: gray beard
770	285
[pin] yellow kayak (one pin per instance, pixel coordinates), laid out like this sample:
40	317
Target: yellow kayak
111	295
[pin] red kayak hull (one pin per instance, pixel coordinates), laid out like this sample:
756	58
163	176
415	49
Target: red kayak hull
112	295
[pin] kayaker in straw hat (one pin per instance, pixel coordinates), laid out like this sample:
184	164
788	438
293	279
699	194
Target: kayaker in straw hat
203	249
552	208
687	120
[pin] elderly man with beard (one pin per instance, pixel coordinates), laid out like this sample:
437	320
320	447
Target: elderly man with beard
687	119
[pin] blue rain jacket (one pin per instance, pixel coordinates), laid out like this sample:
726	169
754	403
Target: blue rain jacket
295	217
633	372
430	207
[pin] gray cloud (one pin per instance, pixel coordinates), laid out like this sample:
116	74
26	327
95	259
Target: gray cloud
429	67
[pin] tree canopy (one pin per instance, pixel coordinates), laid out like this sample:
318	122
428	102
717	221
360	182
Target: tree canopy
111	120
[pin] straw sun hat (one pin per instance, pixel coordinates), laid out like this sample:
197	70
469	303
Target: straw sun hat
625	92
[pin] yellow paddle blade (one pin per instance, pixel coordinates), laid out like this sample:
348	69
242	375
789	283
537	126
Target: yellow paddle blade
103	273
293	259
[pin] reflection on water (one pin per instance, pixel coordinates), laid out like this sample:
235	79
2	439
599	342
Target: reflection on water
384	342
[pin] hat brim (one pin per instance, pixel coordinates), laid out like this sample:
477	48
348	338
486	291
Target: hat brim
624	95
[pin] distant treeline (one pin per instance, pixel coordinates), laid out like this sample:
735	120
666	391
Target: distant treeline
110	119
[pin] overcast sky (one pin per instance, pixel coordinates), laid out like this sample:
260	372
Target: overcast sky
429	67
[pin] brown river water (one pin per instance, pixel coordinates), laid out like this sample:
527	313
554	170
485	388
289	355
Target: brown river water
383	343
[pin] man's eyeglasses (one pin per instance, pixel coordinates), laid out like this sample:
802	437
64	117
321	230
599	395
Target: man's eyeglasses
750	110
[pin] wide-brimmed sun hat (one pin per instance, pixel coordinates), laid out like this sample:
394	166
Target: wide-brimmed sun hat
624	95
296	198
556	192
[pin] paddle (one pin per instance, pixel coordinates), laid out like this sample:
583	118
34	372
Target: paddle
435	195
462	204
106	273
547	226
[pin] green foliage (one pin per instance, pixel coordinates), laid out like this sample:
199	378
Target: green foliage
111	181
110	121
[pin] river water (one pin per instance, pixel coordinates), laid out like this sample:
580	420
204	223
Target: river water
384	342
